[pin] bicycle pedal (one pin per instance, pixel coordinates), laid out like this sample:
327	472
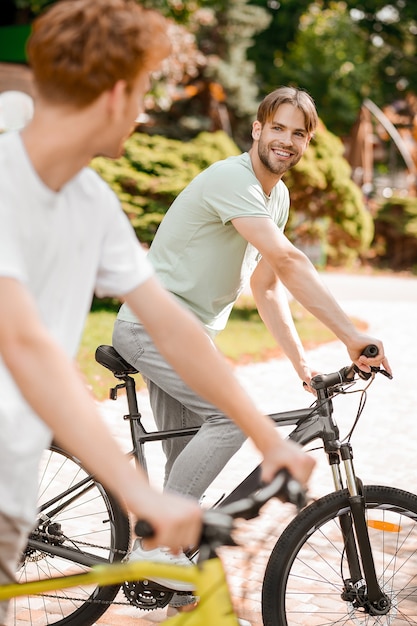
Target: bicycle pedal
186	608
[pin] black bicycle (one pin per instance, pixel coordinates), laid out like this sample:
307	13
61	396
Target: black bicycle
346	558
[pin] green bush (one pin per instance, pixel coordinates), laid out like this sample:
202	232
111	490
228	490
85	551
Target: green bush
153	171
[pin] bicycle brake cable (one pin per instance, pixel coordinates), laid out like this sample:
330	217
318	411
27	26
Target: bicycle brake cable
362	401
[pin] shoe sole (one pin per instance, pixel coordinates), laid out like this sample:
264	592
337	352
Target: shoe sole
173	585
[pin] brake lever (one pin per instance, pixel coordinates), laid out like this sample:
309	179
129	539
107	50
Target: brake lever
375	369
384	372
362	374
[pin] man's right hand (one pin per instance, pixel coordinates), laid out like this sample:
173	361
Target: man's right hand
289	455
176	520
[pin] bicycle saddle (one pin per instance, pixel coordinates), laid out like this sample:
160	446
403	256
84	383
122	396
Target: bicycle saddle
110	358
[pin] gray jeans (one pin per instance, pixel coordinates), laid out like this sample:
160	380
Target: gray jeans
192	463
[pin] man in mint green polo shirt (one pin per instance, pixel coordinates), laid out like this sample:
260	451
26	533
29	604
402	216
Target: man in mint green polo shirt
223	232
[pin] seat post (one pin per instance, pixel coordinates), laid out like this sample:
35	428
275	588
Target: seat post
135	421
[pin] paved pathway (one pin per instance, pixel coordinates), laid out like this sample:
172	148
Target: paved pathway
385	438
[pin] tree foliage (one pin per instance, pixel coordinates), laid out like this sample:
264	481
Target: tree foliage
391	29
223	92
328	57
340	51
376	37
226	55
226	45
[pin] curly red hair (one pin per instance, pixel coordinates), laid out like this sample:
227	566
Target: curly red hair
80	48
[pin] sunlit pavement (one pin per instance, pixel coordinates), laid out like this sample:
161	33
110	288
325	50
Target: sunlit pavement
384	443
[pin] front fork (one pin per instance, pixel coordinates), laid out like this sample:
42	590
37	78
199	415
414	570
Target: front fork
362	588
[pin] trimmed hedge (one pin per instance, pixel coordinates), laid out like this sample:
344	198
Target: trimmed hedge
153	171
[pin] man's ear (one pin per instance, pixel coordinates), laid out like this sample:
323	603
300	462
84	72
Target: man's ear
116	99
256	130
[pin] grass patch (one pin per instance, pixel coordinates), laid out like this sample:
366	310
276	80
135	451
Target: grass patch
245	339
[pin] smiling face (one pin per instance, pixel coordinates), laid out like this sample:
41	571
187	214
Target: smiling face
281	141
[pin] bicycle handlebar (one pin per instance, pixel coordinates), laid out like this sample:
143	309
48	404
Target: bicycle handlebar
218	523
347	373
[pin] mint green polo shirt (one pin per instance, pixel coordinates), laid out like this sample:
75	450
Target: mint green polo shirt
197	253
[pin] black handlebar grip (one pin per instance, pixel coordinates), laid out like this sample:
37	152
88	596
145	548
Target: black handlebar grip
144	529
370	351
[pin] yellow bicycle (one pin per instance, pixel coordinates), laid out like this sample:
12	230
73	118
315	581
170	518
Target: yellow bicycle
207	576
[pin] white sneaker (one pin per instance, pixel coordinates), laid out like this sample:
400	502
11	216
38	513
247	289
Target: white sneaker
162	555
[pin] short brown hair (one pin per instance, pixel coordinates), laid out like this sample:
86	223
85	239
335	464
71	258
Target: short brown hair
298	98
80	48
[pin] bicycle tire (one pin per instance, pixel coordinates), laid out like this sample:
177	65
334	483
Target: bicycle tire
304	576
92	516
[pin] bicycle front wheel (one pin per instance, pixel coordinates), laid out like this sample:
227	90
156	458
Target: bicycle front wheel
79	524
306	572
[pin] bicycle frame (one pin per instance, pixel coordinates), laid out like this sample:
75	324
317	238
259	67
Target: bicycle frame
313	423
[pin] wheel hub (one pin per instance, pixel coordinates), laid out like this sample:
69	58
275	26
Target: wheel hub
356	596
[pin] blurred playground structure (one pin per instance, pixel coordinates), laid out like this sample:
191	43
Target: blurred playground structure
382	148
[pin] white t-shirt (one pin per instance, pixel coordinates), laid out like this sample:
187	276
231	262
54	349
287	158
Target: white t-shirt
63	247
198	254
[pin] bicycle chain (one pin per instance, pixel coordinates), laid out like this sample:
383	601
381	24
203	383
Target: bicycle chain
44	535
84	600
58	538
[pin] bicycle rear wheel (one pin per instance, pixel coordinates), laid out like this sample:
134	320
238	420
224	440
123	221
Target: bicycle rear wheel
84	524
305	575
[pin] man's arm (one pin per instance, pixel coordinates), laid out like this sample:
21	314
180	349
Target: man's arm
300	277
273	307
50	383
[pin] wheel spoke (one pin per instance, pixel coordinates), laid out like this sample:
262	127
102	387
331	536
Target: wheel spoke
86	520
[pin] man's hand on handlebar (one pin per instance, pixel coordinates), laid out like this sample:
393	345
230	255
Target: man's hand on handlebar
286	454
366	359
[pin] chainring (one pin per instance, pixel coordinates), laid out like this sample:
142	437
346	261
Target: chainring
144	594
